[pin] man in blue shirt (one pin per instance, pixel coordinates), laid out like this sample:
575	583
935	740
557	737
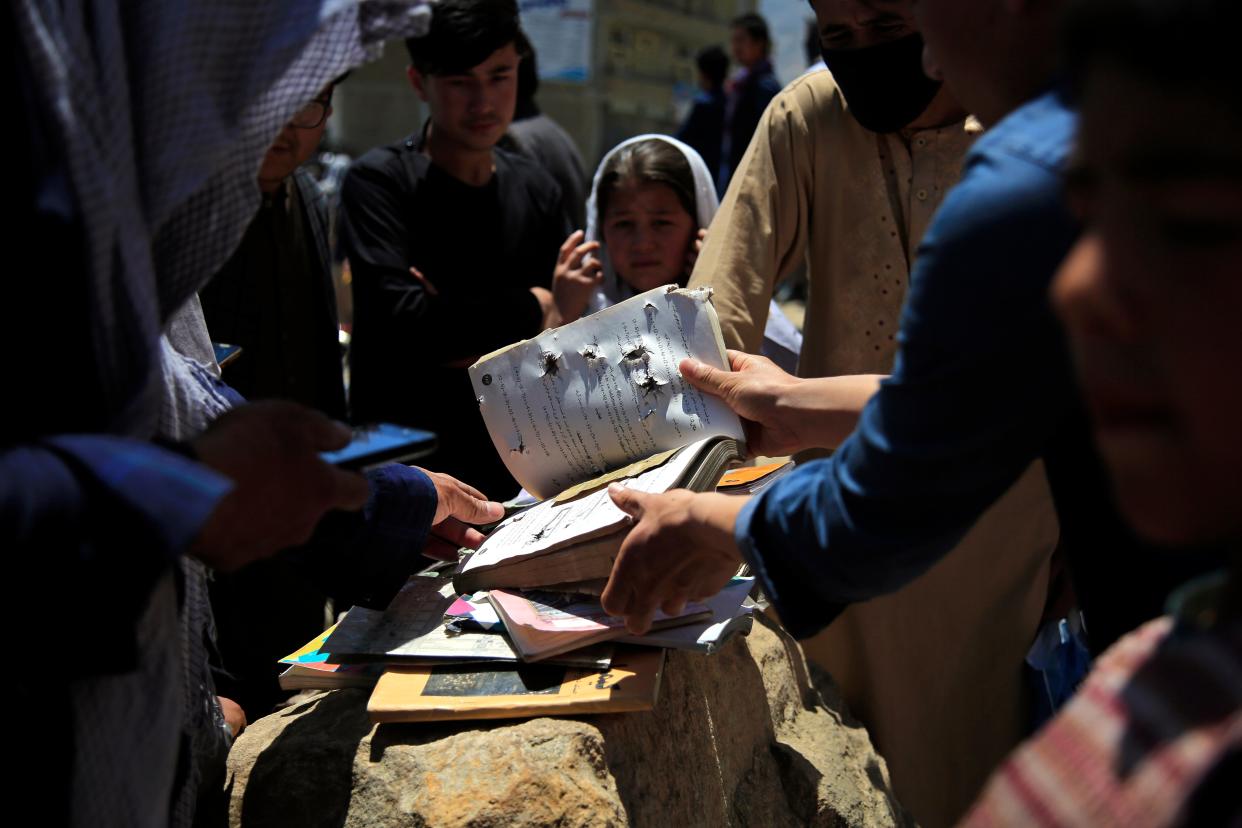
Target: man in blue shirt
981	387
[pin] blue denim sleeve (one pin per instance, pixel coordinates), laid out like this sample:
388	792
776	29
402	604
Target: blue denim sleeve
93	521
364	558
69	486
979	384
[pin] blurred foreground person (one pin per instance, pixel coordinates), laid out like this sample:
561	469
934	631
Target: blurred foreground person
1150	298
844	174
981	387
143	129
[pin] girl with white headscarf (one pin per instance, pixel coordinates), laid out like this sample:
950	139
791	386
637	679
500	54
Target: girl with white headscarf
651	203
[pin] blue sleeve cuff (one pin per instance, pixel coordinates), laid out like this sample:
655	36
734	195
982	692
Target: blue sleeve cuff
793	591
401	506
397	519
790	580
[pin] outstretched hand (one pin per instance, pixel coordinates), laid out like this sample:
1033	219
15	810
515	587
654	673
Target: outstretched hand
783	414
753	389
681	549
576	276
270	450
457	506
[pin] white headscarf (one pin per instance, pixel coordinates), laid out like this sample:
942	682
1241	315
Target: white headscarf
782	342
612	290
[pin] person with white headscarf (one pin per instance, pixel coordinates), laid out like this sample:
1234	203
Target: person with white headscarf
651	203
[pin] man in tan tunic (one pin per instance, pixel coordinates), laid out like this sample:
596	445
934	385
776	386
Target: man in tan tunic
934	670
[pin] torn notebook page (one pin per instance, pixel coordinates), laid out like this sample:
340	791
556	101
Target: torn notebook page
556	523
604	391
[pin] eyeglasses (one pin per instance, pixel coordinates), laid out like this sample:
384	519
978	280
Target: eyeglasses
311	115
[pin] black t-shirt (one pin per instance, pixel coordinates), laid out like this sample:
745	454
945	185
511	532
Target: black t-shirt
274	298
482	249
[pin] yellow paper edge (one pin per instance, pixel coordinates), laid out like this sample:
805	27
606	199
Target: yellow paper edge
632	470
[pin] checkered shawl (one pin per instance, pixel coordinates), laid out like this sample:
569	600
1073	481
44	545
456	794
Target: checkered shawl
164	111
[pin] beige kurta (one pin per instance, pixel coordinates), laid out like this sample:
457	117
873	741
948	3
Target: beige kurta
934	670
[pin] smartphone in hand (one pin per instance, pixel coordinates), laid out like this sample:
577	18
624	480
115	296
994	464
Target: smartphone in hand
375	445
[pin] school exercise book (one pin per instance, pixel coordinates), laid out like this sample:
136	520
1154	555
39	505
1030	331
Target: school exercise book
592	402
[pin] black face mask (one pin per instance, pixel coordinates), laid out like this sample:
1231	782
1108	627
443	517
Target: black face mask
884	85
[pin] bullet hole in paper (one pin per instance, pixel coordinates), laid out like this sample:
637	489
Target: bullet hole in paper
651	385
550	363
634	353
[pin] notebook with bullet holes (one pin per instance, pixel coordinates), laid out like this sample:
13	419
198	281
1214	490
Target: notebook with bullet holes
592	402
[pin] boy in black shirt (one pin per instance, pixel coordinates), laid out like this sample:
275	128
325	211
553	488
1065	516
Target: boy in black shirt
451	242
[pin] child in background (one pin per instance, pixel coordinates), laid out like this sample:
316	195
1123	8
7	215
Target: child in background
651	203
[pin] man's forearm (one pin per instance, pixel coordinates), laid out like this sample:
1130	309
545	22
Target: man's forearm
823	411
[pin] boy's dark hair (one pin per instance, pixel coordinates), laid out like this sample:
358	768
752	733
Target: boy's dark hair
714	64
1187	43
753	25
527	78
463	34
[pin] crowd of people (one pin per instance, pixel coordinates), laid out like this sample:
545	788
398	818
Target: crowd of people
1014	389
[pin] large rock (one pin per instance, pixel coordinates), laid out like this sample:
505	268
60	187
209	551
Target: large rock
737	738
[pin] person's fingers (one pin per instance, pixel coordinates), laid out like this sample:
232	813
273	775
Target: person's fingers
307	426
472	491
675	589
294	533
439	549
674	604
349	491
234	716
418	274
738	360
753	432
588	274
630	501
706	378
638	621
615	599
438	477
472	538
567	246
468	508
455	532
579	253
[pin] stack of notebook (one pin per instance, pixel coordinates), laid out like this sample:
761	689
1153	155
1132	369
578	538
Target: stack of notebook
518	629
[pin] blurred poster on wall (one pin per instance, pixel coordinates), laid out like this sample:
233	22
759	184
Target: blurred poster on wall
561	33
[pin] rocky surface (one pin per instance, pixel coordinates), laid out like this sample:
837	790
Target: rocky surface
740	738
